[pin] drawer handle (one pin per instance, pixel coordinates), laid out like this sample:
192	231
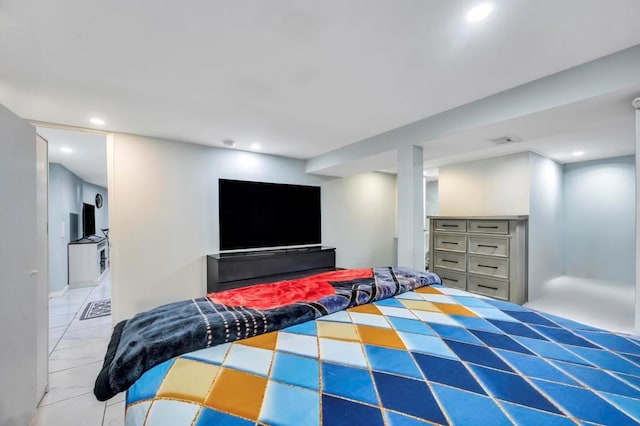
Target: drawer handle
485	245
446	225
486	266
452	280
488	286
487	227
449	242
449	261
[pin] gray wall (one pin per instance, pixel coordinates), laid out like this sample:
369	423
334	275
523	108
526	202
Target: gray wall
18	324
67	192
358	218
545	223
599	205
65	196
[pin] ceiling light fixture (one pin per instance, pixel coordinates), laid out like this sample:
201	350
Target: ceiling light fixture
228	143
255	146
479	12
97	121
578	153
66	150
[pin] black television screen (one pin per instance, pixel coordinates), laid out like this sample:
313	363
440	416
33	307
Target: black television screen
88	220
255	214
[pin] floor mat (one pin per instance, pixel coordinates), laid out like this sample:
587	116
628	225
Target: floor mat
99	308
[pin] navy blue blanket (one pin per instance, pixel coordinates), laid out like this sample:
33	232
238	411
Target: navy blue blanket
152	337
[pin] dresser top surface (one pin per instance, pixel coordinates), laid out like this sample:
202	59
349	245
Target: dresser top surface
521	217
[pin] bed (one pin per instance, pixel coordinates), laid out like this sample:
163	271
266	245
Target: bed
425	355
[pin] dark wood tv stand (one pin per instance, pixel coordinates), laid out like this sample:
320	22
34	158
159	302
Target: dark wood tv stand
226	271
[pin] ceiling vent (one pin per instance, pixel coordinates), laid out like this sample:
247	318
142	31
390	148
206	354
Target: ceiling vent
229	143
505	139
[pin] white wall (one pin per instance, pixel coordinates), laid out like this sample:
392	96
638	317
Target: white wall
545	223
163	214
430	208
521	184
599	205
581	216
410	200
358	218
496	186
431	198
18	323
636	105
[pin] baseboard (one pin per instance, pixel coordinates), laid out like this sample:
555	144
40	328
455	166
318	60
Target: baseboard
59	293
85	284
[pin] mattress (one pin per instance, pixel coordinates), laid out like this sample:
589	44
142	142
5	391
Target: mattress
435	355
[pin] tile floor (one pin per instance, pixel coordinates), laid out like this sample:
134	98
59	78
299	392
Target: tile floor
603	304
76	351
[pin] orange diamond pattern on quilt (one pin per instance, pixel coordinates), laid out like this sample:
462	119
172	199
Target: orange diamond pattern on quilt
238	393
366	309
427	290
376	336
451	309
264	341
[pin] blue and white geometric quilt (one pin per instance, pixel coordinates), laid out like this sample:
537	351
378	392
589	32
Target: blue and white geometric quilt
432	356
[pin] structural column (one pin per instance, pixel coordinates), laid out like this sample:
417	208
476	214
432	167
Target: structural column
636	105
410	207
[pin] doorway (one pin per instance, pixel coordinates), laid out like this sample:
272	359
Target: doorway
79	321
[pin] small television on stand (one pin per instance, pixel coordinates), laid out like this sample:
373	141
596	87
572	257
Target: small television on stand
88	220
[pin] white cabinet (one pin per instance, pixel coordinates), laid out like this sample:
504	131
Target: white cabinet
88	261
483	255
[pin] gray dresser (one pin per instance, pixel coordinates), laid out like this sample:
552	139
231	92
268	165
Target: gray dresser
483	255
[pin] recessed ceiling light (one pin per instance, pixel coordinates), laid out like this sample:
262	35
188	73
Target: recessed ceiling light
479	12
578	153
66	150
255	146
97	121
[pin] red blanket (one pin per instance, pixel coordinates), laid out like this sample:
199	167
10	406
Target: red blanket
273	295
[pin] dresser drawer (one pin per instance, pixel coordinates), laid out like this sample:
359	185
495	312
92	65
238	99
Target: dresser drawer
453	279
450	225
494	246
489	226
491	266
451	260
489	287
451	242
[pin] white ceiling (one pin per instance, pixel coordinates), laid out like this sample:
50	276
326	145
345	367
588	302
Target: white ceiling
88	156
600	127
300	77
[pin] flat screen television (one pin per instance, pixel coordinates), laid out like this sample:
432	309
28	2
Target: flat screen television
257	215
88	220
